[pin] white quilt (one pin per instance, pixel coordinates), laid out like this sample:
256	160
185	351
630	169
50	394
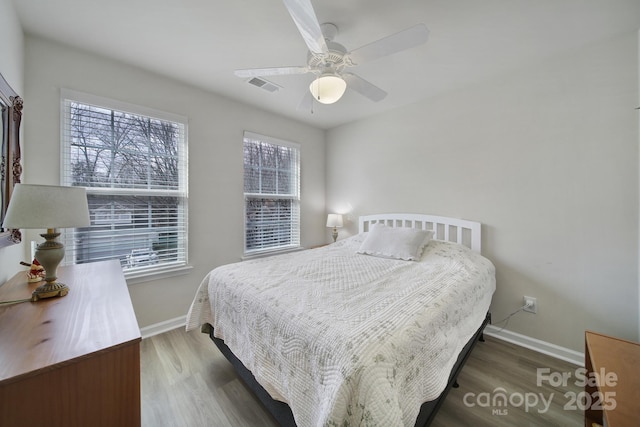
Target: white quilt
348	339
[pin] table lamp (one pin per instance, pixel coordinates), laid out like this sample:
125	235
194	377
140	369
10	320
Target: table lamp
334	220
50	207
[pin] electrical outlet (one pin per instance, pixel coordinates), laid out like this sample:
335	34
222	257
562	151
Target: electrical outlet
531	305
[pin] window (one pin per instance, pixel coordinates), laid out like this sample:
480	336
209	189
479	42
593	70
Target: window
271	194
133	163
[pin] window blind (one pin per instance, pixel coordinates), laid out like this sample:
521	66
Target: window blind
272	193
134	168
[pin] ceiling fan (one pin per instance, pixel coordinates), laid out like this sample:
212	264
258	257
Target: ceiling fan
328	60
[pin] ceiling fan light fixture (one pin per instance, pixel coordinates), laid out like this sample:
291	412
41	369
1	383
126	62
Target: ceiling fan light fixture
328	88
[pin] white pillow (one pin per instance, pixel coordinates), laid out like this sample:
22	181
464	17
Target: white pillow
398	243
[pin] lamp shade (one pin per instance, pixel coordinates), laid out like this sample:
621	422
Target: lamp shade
47	206
334	220
328	88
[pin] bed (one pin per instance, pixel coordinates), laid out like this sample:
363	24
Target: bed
356	332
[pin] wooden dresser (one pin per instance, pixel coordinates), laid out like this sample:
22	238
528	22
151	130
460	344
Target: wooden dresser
615	392
72	360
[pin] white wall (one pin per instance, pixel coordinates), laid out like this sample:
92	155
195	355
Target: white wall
216	126
11	67
546	158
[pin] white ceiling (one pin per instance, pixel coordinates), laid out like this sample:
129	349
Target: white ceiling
201	42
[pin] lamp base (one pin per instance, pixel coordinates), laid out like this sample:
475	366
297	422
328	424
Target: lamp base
49	290
49	254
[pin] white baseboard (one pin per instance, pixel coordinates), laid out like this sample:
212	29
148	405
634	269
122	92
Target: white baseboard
165	326
540	346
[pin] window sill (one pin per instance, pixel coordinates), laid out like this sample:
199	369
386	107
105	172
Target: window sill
262	254
135	277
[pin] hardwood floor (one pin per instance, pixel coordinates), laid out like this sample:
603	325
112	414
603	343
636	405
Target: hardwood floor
185	381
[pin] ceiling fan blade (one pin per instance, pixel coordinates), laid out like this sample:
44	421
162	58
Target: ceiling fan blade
276	71
306	103
411	37
363	87
305	18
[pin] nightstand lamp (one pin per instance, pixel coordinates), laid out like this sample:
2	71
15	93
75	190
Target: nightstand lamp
335	221
50	207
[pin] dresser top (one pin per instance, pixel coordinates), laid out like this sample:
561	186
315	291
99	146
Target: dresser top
95	316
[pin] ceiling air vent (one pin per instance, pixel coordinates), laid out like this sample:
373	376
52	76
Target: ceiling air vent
264	84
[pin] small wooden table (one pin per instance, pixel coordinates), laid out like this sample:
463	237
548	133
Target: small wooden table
72	360
615	392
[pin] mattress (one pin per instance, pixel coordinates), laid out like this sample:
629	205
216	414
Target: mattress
349	339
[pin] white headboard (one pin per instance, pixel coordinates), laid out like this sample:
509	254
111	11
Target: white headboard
446	229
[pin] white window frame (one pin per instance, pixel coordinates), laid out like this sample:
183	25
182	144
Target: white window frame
294	197
168	269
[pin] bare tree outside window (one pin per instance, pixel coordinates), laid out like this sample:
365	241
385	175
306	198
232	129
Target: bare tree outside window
130	165
272	195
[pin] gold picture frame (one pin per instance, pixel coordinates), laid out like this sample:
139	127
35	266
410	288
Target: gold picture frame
10	167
